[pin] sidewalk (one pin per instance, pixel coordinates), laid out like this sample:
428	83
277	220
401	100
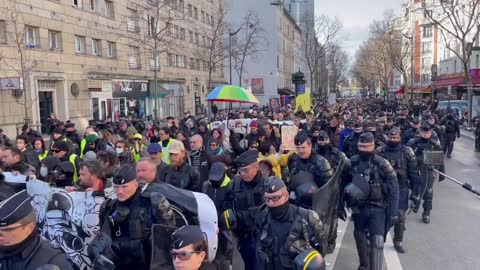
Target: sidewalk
467	134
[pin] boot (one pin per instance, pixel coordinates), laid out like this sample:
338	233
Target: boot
399	247
331	248
362	250
376	256
426	217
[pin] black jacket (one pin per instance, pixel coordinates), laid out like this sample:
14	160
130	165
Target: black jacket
317	165
185	177
200	161
33	253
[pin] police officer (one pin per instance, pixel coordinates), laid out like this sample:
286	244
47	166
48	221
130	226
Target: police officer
189	249
127	220
307	160
411	132
403	160
310	260
219	188
452	131
370	189
326	150
425	142
350	146
379	136
21	246
282	230
248	190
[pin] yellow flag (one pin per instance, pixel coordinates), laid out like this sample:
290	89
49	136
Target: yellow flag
304	101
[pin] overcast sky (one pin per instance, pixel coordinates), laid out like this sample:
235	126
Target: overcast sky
356	16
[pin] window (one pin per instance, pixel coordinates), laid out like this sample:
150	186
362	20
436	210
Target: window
477	60
132	20
109	8
203	16
134	58
425	78
32	40
96	47
426	47
197	39
427	31
191	36
455	66
181	5
93	5
195	13
427	63
154	61
182	33
190	11
192	63
180	61
54	40
77	3
152	26
3	32
79	44
111	50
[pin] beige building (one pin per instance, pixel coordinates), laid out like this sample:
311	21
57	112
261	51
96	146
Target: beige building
93	59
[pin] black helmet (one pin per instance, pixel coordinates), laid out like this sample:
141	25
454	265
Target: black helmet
309	259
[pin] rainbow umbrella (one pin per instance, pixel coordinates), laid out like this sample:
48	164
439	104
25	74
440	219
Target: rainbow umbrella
231	93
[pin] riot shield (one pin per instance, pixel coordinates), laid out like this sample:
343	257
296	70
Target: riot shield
161	238
325	200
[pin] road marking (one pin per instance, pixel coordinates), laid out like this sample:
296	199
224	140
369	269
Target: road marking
391	255
332	258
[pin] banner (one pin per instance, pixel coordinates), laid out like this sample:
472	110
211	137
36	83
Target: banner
288	135
68	220
304	101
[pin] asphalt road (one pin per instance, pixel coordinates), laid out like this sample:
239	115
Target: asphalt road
450	241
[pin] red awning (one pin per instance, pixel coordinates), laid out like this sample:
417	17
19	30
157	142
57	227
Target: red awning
400	91
454	82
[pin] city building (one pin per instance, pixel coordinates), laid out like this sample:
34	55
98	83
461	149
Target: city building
94	59
269	74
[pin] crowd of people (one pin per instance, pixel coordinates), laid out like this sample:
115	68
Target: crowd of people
263	190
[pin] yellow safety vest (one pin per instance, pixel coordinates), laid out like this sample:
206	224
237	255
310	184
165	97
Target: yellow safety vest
72	161
136	156
44	155
165	153
83	144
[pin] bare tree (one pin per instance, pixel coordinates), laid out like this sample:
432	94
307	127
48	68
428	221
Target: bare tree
396	45
337	60
458	22
318	34
250	45
24	61
154	26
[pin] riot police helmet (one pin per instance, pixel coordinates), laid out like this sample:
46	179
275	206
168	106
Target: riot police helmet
309	259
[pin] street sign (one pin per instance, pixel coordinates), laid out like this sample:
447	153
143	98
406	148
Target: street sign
12	83
434	72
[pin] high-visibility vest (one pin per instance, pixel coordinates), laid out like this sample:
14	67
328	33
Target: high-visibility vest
43	155
165	153
72	161
83	144
136	156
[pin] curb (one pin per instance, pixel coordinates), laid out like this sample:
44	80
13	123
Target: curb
467	134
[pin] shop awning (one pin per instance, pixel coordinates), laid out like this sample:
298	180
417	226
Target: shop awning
421	90
285	92
455	82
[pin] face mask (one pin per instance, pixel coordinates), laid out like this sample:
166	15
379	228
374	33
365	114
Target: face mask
365	155
279	211
323	149
392	144
215	184
425	139
43	171
119	150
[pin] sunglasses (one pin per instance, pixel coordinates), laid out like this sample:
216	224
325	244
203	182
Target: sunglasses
273	198
183	255
55	151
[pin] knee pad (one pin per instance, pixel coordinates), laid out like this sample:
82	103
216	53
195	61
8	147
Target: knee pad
401	215
428	193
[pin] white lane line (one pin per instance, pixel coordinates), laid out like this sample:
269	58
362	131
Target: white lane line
332	258
391	255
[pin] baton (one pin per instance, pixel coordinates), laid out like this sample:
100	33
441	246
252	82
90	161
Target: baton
466	186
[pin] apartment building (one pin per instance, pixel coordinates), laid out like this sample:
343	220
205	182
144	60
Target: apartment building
93	59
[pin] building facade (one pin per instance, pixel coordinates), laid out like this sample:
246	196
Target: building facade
269	75
89	59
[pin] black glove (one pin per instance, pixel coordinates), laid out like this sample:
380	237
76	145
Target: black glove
342	214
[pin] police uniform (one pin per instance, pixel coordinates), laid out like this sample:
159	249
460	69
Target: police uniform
317	165
219	188
350	145
280	232
129	222
33	252
419	145
403	160
188	235
248	197
331	153
370	188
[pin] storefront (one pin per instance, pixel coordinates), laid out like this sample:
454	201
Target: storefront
129	98
454	86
